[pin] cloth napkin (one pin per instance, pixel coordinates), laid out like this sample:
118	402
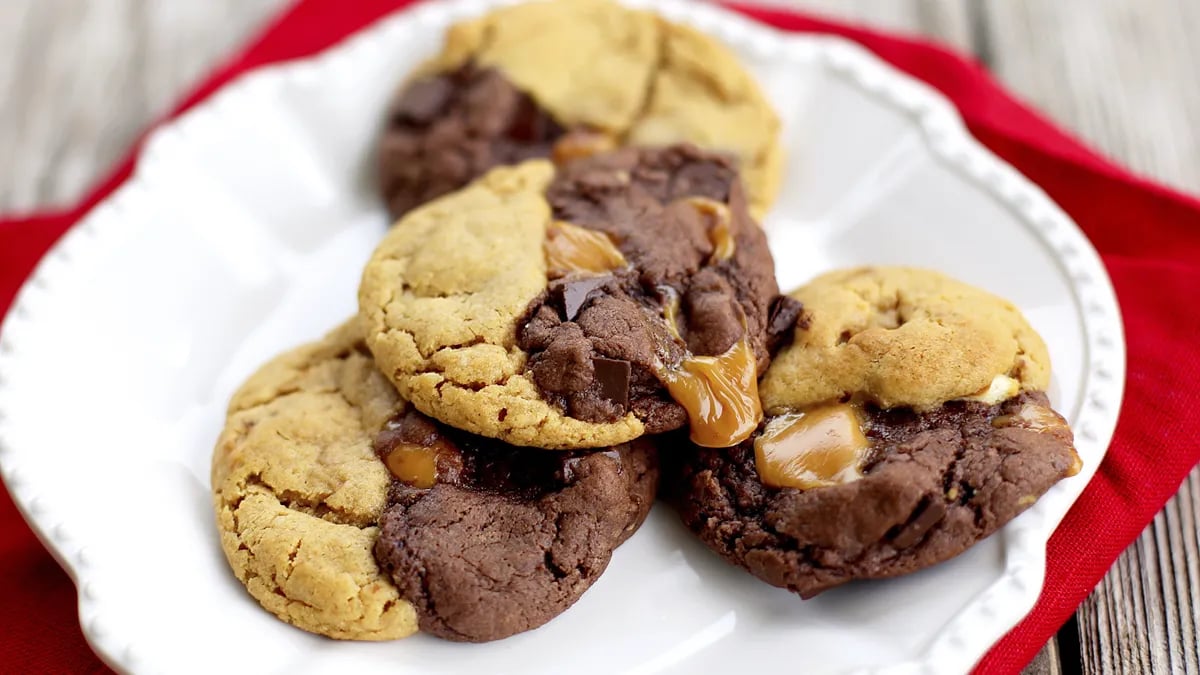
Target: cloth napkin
1148	236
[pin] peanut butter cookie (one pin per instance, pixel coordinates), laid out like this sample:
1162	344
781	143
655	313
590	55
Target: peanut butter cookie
900	336
562	78
581	306
907	422
298	490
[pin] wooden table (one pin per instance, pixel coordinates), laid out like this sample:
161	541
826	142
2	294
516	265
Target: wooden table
78	80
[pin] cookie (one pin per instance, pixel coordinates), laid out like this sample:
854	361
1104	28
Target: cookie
848	487
298	490
583	305
509	537
559	78
347	513
901	336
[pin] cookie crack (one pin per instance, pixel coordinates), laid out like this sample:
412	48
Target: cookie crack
291	500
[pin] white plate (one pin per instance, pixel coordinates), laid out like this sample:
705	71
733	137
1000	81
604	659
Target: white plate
243	232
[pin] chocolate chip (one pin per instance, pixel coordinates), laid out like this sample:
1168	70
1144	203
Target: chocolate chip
929	516
613	376
423	100
573	294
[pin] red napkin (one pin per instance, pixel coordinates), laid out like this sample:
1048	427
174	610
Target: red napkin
1148	236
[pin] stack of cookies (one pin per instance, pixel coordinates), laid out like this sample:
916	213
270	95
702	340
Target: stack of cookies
575	312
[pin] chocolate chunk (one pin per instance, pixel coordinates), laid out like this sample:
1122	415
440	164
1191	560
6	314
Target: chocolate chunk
613	376
786	315
935	484
929	515
423	100
638	197
515	537
573	293
451	128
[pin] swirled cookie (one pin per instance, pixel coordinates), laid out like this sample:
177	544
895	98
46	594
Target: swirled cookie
855	475
559	78
346	513
581	305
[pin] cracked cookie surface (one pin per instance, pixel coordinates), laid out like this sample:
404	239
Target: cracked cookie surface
508	84
900	336
298	490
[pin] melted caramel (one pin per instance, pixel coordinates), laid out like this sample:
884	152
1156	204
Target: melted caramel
580	144
1043	420
671	310
570	248
415	465
720	233
720	394
818	447
1037	418
1076	464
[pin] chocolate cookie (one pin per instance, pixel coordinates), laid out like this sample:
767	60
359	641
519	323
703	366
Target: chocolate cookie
506	538
346	513
562	78
848	487
581	306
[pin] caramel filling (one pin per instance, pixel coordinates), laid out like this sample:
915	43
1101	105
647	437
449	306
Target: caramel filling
671	310
1033	417
570	248
1042	420
720	394
819	447
581	144
415	465
720	232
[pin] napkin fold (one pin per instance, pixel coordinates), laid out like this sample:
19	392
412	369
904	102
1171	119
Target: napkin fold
1147	235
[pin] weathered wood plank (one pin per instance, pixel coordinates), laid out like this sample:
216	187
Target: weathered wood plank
1144	616
79	80
948	21
1123	75
1047	661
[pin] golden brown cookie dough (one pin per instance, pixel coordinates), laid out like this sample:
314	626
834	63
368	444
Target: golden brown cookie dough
899	336
471	263
645	80
297	490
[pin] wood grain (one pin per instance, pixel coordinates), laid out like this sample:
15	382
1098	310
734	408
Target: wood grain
1123	75
951	22
79	80
1126	77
